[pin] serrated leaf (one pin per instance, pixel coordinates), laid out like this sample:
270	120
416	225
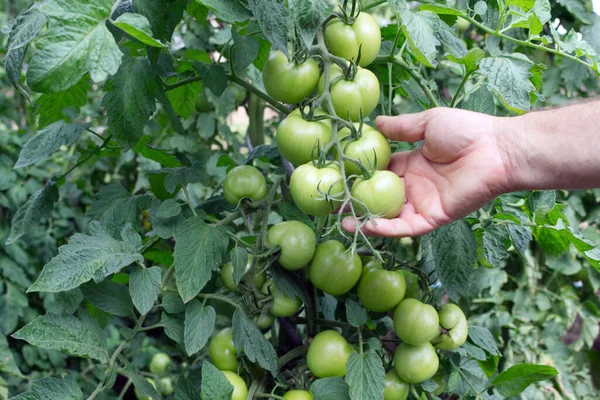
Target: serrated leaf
65	333
77	42
110	297
330	389
28	216
355	314
51	107
214	383
198	327
227	10
245	50
169	208
142	385
172	303
7	361
174	326
154	154
48	141
308	16
214	77
138	26
250	340
483	338
163	15
474	351
495	241
290	285
481	101
420	29
290	212
577	8
365	376
437	8
88	256
184	99
144	287
518	377
274	20
52	388
166	228
199	250
239	260
186	390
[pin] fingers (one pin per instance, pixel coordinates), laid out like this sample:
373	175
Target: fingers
404	128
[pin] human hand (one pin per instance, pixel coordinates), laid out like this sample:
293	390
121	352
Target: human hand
458	169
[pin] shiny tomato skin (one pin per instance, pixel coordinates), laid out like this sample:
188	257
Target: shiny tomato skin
370	146
455	328
298	395
222	351
264	321
344	40
381	290
382	194
413	290
244	181
395	388
306	182
328	354
227	277
160	363
240	389
287	81
415	322
297	138
282	305
297	243
334	269
165	384
416	364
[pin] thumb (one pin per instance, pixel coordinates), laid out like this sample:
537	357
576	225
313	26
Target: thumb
404	128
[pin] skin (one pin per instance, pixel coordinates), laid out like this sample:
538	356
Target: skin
240	389
328	354
296	241
297	137
382	194
334	269
455	328
298	395
468	158
415	322
416	364
344	40
222	351
395	388
160	363
287	81
282	306
305	184
244	181
363	149
381	290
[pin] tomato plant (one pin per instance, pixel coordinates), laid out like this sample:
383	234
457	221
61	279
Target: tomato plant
415	322
332	259
315	190
298	139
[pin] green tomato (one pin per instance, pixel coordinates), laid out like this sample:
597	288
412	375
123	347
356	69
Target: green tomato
296	241
416	364
140	397
227	276
297	137
462	25
287	81
310	184
334	269
242	182
239	93
355	97
415	322
454	328
165	384
240	389
160	363
264	321
328	354
344	40
282	306
382	194
395	388
222	351
381	290
204	104
370	146
413	290
298	395
441	381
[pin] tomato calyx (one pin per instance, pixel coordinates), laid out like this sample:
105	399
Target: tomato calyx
355	9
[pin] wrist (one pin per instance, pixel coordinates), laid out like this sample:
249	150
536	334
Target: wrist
512	154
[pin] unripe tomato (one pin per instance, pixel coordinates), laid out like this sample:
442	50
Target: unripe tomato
282	306
297	137
242	182
441	381
287	81
328	354
416	364
370	146
222	351
308	184
160	363
455	328
203	104
381	290
382	194
227	276
395	388
462	25
298	395
334	269
165	385
240	389
264	321
296	241
140	397
350	97
344	40
415	322
413	290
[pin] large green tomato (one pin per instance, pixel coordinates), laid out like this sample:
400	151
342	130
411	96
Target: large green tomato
328	354
282	306
165	385
334	269
415	322
454	328
227	276
240	389
296	241
242	182
350	97
298	395
413	290
297	137
287	81
160	363
344	40
416	364
381	290
395	388
222	351
370	146
382	194
140	397
308	185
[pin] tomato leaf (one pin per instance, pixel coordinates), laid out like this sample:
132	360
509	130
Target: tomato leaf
144	287
109	296
308	16
355	314
365	376
274	20
248	339
53	388
199	325
7	361
239	259
330	389
483	338
214	384
137	26
227	10
518	377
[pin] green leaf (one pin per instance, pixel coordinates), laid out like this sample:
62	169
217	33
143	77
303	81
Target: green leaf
151	153
199	250
290	284
13	305
137	25
250	340
521	237
290	212
481	101
172	303
7	361
110	297
245	50
214	383
163	15
88	256
214	77
330	389
184	98
65	333
355	314
578	9
420	29
227	10
48	141
524	4
495	241
308	16
28	216
141	384
51	107
440	9
174	326
144	286
169	208
483	338
518	377
198	327
186	390
239	260
365	376
50	388
274	21
166	228
77	42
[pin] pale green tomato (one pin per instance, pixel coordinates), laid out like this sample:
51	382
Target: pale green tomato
454	328
381	290
415	322
416	364
297	243
240	389
160	363
287	81
382	194
298	395
344	40
227	276
222	351
313	189
328	354
282	306
370	146
334	269
243	182
395	388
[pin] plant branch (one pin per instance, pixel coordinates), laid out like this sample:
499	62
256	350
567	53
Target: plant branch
460	87
83	160
373	4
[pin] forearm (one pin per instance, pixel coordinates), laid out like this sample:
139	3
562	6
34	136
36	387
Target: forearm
552	149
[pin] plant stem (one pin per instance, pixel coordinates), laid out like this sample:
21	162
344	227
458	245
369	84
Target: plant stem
151	242
251	88
230	218
292	354
373	4
267	396
125	388
83	160
188	199
460	87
